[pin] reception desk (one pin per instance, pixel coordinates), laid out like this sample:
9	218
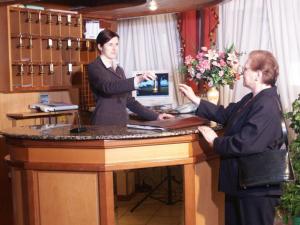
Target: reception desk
59	178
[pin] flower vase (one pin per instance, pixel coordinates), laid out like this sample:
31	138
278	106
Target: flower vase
213	97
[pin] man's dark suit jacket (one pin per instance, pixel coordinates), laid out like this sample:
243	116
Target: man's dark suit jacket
112	93
251	125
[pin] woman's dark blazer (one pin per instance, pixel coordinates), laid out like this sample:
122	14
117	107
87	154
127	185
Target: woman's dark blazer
112	92
251	125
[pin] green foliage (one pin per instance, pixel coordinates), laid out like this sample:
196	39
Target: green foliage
290	200
294	116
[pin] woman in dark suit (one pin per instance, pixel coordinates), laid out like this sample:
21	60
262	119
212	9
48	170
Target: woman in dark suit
111	89
251	125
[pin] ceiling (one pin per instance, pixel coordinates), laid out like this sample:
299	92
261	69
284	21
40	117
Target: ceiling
164	6
115	9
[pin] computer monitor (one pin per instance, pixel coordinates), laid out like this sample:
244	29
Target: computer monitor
157	92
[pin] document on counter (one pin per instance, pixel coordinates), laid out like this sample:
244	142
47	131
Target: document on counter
145	127
169	124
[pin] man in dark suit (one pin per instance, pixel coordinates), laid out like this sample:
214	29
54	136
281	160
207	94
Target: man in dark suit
252	125
111	89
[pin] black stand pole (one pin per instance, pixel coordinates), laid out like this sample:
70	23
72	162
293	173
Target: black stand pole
170	201
78	129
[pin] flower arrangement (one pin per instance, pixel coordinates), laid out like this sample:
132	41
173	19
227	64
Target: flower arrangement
216	68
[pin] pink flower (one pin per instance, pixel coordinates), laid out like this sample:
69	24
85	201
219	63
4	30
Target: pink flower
200	55
222	63
216	68
205	64
188	60
200	68
210	83
222	54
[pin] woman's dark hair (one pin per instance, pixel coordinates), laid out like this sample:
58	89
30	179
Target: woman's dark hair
265	62
105	36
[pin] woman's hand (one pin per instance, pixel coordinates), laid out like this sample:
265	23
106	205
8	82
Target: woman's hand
145	76
189	93
208	134
164	116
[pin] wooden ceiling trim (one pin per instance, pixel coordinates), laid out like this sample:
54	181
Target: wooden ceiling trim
124	9
164	6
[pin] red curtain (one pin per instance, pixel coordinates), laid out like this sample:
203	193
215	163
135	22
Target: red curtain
188	24
189	36
189	32
210	21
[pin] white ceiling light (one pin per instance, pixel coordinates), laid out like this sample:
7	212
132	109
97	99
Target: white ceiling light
152	5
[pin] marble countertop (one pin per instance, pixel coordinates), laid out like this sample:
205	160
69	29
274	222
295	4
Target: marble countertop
62	132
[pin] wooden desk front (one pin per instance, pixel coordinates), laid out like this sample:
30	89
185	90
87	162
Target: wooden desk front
71	182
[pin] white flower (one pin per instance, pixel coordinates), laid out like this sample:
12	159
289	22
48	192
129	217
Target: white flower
232	57
235	67
215	63
204	49
191	71
212	55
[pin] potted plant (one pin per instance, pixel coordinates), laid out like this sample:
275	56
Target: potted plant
290	200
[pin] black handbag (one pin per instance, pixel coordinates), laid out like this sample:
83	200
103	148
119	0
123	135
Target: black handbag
267	168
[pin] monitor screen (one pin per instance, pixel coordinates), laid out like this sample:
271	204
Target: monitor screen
155	92
160	86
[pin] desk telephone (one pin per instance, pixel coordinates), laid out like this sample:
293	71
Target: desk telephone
186	108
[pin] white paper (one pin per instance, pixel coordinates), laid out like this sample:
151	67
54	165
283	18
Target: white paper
92	29
51	68
69	67
69	19
50	43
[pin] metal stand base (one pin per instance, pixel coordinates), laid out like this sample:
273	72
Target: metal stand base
169	201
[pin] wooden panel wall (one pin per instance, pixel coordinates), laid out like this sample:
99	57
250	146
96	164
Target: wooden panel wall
4	48
76	206
5	189
208	199
14	103
19	102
